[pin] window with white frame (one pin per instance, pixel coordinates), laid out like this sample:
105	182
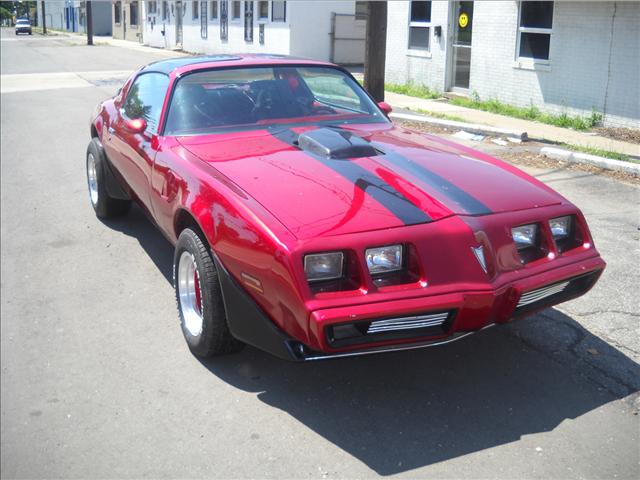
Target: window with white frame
278	11
214	9
235	10
362	10
263	10
194	10
534	30
419	25
165	10
152	8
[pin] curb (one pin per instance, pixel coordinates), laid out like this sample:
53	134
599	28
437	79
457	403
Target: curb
469	127
602	162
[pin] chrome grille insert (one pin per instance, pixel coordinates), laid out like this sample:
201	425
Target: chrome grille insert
407	323
541	293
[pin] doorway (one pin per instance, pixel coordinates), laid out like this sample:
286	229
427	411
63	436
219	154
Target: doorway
462	29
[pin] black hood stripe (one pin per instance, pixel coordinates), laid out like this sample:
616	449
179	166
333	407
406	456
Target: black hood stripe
377	188
467	202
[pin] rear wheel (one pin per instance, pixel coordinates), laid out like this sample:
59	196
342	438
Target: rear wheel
103	204
199	298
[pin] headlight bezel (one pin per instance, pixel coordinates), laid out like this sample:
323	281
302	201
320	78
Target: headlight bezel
568	228
309	257
531	240
379	270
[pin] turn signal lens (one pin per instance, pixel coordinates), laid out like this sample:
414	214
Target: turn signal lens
524	236
560	227
323	266
384	259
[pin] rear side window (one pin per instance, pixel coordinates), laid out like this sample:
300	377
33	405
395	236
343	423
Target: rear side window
145	99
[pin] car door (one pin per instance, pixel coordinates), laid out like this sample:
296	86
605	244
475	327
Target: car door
135	153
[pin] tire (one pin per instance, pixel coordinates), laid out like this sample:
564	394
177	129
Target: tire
199	299
104	205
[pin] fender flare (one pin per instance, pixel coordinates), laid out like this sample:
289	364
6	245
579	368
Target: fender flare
114	187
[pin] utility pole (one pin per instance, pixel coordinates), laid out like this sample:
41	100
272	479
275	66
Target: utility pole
44	19
375	49
89	24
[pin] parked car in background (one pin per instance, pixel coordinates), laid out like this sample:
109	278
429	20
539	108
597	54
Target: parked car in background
23	25
307	224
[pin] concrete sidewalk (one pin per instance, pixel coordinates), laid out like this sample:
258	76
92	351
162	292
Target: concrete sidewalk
535	130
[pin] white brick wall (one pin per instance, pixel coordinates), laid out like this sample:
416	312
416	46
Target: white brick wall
305	33
588	65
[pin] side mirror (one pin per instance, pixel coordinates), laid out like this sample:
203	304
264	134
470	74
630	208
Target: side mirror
385	107
136	125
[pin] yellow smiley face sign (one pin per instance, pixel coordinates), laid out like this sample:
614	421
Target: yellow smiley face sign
463	20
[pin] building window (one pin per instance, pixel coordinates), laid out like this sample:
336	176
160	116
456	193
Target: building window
152	8
362	10
117	8
419	25
235	10
278	11
194	10
534	36
165	10
133	14
204	22
263	10
224	19
214	10
248	22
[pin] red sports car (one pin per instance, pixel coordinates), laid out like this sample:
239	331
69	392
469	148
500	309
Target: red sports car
307	224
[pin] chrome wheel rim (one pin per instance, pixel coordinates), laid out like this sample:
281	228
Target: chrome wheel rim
189	293
92	178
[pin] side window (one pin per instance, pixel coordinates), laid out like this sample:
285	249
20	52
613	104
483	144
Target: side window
145	99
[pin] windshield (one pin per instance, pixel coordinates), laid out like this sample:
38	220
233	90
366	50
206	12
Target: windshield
210	100
23	22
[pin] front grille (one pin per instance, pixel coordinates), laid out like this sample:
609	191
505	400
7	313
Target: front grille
430	324
407	323
541	293
555	293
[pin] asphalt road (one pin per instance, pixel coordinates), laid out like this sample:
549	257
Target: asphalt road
98	382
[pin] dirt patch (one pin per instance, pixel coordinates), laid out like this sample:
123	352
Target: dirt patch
526	153
533	159
623	134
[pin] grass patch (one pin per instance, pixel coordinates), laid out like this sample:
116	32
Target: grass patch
442	116
599	152
412	90
530	113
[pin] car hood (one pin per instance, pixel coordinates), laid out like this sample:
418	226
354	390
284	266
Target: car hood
395	177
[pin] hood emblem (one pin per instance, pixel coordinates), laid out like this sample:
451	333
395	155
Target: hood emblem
479	253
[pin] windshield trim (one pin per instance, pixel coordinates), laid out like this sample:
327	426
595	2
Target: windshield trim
240	128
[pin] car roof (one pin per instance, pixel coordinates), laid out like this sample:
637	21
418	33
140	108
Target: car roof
183	65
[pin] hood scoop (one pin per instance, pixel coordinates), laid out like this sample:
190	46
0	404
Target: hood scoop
336	144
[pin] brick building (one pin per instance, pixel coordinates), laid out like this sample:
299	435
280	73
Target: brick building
572	57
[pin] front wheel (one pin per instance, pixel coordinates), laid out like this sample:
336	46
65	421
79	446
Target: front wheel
103	204
199	298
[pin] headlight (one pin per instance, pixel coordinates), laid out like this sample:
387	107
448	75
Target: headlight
524	236
560	227
323	266
384	259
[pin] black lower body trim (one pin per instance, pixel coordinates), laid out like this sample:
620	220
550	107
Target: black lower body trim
249	324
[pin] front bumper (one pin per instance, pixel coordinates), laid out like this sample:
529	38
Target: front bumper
466	311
